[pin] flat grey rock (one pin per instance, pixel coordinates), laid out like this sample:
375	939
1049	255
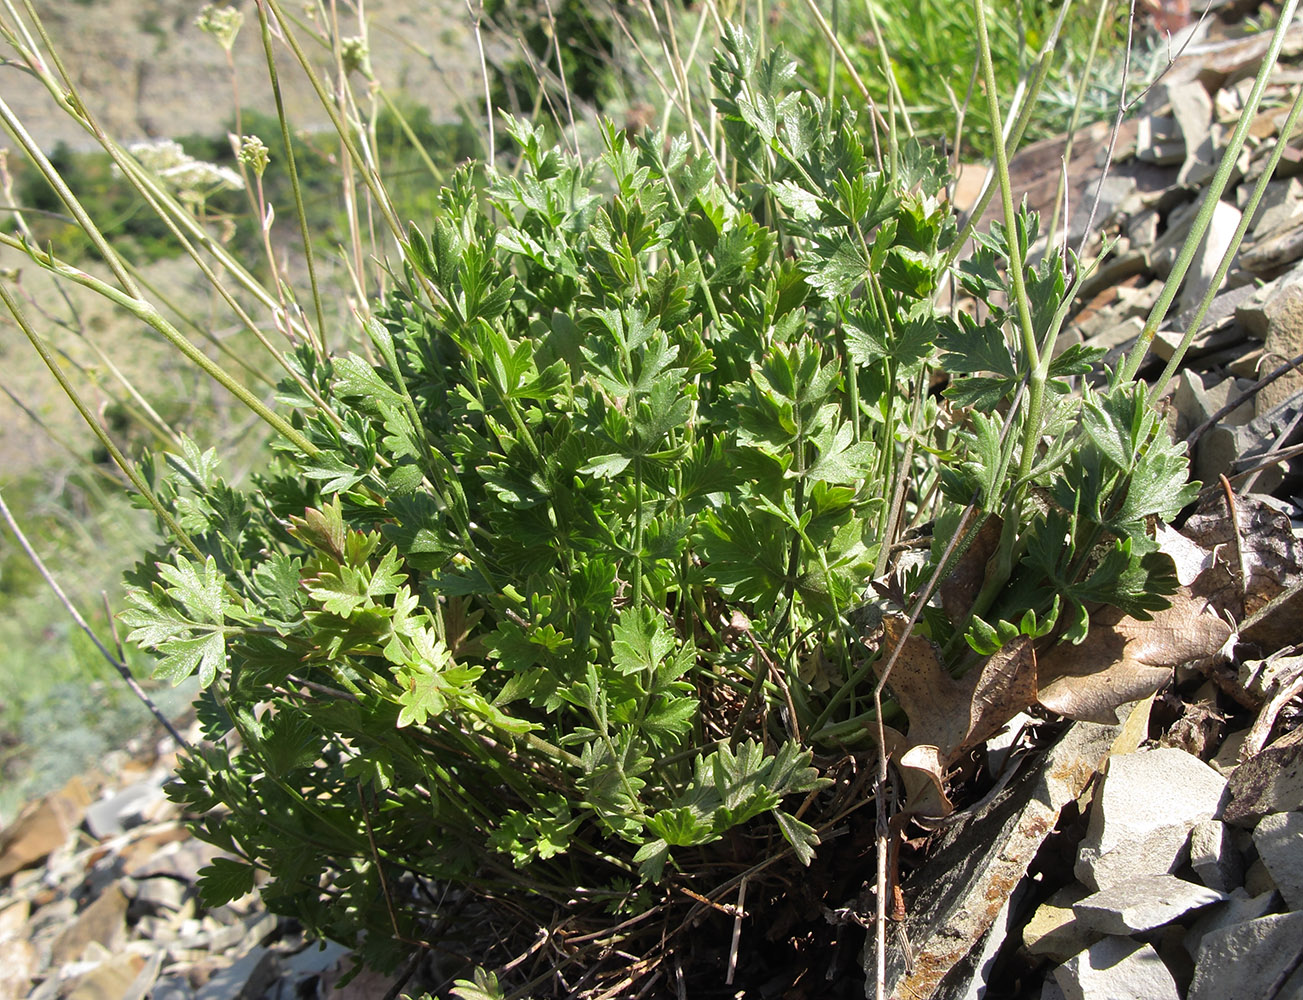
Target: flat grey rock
1273	251
1116	968
1053	931
1281	207
1274	314
1238	907
142	986
245	979
1214	857
161	893
313	959
1113	194
1158	140
970	978
1293	988
1123	333
1142	904
1143	812
1250	960
1193	110
1279	839
1269	782
1208	257
1257	879
123	810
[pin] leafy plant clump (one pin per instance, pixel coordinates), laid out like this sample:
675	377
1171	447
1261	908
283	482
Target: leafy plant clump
563	610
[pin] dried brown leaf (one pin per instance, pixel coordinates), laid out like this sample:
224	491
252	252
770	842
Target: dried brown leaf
1272	558
959	589
921	772
1125	659
925	781
1189	558
955	714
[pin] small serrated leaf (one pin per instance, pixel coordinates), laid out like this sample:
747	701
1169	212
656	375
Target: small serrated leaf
800	835
225	880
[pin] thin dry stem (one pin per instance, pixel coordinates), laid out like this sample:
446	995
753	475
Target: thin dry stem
117	662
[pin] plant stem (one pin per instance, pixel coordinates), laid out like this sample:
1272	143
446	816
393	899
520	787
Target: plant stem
305	237
147	313
1212	195
120	459
1246	217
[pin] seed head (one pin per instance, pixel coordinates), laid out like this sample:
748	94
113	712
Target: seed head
253	154
223	23
356	55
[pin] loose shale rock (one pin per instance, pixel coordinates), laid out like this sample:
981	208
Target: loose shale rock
1147	805
1116	968
1142	904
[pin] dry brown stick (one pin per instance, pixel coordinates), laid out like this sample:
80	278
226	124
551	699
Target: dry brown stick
723	908
1262	726
623	925
544	935
737	931
882	831
1193	437
1237	550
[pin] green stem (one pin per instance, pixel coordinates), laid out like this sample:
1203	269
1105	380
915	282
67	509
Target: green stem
1250	210
56	181
119	459
274	77
637	530
341	126
147	313
1011	143
1032	414
1212	195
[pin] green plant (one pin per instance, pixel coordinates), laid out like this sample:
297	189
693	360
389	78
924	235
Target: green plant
565	596
606	502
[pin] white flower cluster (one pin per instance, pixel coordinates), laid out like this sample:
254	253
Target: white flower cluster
180	170
223	23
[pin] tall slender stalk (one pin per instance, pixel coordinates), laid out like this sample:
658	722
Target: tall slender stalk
288	140
129	470
1232	248
147	313
1036	385
1212	195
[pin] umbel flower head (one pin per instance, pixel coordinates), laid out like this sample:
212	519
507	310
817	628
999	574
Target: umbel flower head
252	152
356	55
223	23
193	180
